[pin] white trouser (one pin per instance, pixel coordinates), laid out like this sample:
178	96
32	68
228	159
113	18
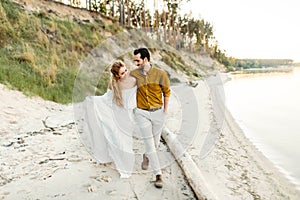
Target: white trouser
151	125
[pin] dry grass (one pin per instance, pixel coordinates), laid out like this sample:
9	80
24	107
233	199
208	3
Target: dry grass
26	57
50	74
42	39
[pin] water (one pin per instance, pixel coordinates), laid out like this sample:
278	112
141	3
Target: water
267	107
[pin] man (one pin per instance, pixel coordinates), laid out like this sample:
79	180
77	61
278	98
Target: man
152	105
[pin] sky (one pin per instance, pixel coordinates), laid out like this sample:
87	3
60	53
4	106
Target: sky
252	28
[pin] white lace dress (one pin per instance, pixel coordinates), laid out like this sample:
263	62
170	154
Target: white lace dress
108	129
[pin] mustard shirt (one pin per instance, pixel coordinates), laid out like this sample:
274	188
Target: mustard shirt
151	87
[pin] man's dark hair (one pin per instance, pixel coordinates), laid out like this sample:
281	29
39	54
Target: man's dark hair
144	53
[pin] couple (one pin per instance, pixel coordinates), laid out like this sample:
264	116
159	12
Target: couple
136	100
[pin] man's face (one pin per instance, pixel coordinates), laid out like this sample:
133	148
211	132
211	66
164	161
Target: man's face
139	61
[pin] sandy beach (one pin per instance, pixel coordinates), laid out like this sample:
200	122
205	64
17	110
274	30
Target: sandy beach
42	156
232	168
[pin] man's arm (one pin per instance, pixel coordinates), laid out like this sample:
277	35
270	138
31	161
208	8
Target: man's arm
165	84
166	104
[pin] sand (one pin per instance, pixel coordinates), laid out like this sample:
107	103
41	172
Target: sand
42	156
230	166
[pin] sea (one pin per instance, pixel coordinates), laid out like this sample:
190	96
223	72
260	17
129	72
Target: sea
267	108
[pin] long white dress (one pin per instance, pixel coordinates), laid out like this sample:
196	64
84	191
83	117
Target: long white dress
108	129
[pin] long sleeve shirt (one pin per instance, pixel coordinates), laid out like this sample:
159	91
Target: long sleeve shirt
151	87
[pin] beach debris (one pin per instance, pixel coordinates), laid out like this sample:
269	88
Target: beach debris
186	193
20	140
4	180
58	195
49	176
91	188
106	179
7	144
33	133
50	159
61	153
192	83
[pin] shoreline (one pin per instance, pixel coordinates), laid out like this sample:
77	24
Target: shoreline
266	149
234	168
263	161
285	69
261	157
282	171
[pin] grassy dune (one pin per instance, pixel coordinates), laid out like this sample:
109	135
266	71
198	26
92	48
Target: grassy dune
40	54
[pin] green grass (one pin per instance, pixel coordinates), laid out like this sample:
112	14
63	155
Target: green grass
176	62
39	54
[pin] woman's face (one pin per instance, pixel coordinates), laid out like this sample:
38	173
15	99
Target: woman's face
122	72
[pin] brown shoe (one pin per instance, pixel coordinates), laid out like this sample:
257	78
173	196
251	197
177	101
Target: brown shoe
145	162
158	182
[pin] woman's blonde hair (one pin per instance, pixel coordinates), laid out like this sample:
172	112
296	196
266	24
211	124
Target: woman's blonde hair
117	93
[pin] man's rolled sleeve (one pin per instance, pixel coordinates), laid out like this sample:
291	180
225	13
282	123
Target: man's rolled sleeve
165	85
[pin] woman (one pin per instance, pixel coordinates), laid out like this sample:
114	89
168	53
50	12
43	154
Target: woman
108	121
